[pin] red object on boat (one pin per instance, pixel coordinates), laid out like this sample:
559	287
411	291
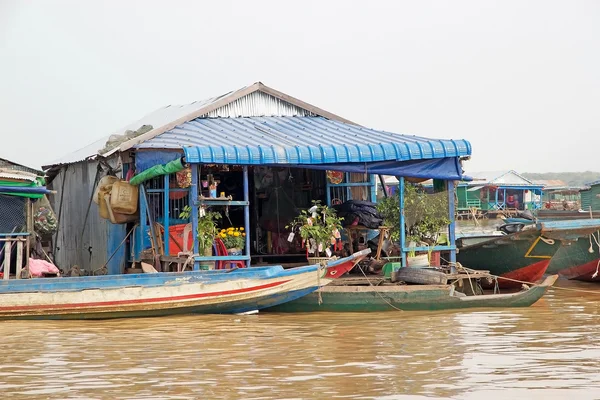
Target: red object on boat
176	239
531	273
584	272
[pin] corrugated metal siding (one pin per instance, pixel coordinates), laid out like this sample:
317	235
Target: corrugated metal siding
296	140
258	104
17	167
91	250
586	199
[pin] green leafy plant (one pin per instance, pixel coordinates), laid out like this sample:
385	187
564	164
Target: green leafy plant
424	214
317	227
207	228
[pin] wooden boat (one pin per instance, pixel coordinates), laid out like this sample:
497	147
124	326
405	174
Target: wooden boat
524	255
575	261
157	294
365	298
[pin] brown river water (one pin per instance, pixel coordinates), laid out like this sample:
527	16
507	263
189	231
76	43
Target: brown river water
548	351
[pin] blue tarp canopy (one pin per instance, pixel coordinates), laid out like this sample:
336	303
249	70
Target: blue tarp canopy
304	142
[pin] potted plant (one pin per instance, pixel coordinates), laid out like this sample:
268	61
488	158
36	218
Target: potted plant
424	215
234	240
207	231
319	228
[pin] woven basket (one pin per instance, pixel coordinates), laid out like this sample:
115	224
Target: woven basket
317	260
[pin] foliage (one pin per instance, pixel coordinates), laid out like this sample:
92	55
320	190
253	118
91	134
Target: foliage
569	178
424	214
318	224
233	238
207	228
389	208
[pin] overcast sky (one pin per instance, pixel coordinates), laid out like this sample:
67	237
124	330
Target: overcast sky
519	79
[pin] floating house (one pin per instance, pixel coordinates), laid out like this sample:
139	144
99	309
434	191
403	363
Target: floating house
498	191
256	155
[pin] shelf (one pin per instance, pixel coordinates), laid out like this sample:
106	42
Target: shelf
224	258
216	202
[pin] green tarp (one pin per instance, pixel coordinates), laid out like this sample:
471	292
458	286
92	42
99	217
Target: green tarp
158	170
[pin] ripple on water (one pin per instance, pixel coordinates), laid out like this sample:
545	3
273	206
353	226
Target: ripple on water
545	351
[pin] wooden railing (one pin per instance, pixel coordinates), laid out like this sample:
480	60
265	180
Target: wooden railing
13	242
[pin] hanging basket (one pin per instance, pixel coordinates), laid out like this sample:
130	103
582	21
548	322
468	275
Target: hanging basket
317	260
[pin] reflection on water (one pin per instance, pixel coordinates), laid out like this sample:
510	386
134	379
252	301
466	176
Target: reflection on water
548	351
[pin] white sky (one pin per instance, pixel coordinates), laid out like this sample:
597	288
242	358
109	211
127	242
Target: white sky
519	79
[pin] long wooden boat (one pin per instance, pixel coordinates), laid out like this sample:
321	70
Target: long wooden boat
158	294
524	255
575	261
408	298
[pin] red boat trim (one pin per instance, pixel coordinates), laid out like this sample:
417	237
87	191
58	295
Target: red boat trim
531	273
142	301
583	272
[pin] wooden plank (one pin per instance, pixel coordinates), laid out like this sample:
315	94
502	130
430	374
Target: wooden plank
19	258
7	260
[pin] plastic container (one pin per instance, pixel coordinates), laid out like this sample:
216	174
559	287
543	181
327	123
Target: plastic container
418	261
388	268
176	236
104	184
124	198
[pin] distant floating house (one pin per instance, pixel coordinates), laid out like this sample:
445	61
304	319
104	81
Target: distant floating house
13	166
559	195
500	190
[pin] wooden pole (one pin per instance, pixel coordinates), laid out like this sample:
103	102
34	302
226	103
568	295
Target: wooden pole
19	259
6	271
29	230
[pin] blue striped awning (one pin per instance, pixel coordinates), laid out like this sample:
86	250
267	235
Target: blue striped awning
296	140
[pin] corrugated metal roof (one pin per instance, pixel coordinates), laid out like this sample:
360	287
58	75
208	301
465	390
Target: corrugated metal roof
296	140
253	100
509	178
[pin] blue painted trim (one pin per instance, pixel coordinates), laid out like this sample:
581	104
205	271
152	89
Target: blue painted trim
247	214
429	248
402	221
373	180
147	280
116	235
141	233
166	213
193	199
14	234
221	203
452	226
224	258
353	184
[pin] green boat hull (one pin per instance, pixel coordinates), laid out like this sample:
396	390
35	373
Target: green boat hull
406	298
573	254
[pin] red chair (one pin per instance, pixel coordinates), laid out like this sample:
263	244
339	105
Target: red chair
222	251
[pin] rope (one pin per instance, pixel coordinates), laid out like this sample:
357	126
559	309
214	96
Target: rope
114	252
458	265
378	293
591	247
547	241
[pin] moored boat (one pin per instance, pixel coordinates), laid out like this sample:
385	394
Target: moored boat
366	298
577	260
157	294
524	255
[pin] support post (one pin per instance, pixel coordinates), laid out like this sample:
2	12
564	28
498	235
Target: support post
373	193
383	188
6	269
452	225
29	218
166	214
193	201
247	213
19	257
402	229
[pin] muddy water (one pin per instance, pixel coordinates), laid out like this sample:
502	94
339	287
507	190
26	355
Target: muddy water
548	351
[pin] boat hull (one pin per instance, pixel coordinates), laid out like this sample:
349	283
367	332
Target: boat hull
159	294
522	256
574	260
406	298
